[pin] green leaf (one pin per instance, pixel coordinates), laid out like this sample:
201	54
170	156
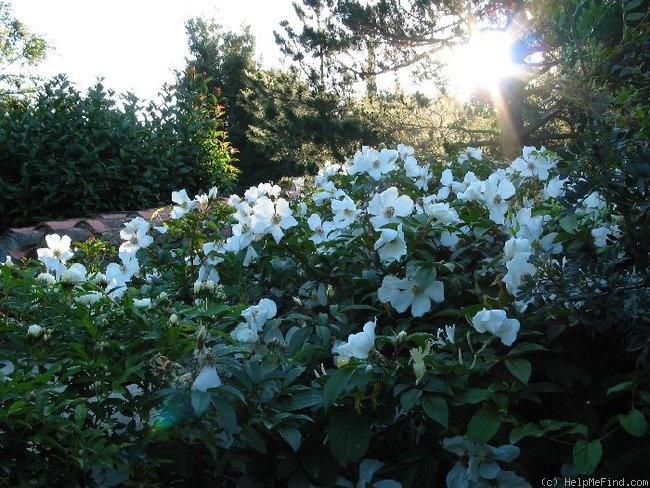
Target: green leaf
483	425
342	380
80	414
226	415
520	369
632	4
254	439
299	479
303	398
645	396
200	401
387	484
634	17
634	423
439	386
436	409
569	223
298	339
586	455
626	385
580	429
17	406
410	398
292	436
524	348
531	429
471	396
348	435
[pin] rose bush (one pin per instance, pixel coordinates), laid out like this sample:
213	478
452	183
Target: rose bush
385	323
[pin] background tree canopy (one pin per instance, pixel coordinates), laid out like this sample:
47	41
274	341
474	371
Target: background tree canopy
18	48
583	74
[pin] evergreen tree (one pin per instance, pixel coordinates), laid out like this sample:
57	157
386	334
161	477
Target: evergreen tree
278	123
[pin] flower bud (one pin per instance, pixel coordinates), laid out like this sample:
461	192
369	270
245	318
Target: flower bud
34	330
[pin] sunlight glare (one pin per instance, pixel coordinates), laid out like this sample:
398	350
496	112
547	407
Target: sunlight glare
480	63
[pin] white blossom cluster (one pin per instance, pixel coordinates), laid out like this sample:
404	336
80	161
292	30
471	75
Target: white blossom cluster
116	277
401	196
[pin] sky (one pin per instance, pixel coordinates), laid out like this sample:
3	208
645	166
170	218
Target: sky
135	45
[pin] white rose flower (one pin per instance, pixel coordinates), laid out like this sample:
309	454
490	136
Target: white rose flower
388	206
144	303
497	323
358	345
34	330
391	245
183	204
207	378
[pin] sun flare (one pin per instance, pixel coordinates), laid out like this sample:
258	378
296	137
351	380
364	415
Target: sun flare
480	63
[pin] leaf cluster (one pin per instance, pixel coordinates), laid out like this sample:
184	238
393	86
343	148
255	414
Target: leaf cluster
66	154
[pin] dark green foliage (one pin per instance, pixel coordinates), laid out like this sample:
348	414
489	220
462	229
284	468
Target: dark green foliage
65	154
606	57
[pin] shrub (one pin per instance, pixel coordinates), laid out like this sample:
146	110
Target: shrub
63	154
378	325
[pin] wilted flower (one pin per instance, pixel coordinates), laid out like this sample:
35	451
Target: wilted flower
592	205
440	211
417	357
446	183
601	234
445	336
470	190
449	239
514	246
316	294
405	151
554	188
362	160
528	226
